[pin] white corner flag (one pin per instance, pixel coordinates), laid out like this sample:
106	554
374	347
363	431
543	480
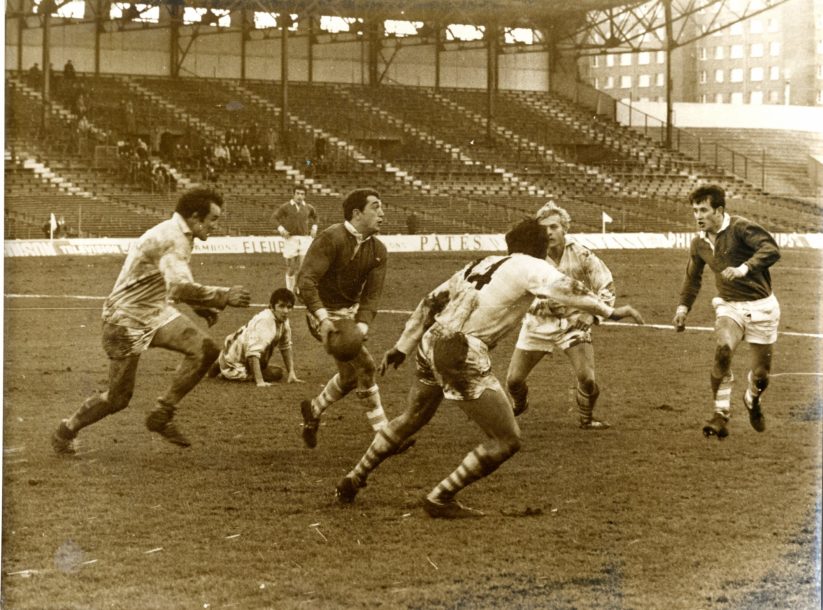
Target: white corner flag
606	219
52	225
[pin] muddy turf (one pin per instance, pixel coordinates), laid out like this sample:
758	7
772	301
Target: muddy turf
648	514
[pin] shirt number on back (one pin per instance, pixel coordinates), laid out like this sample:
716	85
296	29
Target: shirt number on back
481	279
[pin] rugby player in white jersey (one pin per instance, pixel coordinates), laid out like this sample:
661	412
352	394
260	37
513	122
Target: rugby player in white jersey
549	324
453	328
139	314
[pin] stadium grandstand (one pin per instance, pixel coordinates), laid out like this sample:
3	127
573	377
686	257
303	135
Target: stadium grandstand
469	113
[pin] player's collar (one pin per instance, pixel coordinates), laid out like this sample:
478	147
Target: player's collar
727	220
182	224
359	236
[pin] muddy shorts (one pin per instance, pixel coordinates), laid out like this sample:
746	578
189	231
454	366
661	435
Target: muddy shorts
538	334
123	341
474	377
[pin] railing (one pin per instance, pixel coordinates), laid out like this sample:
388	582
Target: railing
710	154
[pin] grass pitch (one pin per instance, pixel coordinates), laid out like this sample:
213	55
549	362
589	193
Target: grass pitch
647	514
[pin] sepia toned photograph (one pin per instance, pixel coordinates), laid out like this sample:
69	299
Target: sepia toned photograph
466	304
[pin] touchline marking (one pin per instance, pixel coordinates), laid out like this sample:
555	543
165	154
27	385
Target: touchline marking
400	312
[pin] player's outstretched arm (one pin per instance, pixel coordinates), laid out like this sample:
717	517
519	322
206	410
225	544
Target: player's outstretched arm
627	311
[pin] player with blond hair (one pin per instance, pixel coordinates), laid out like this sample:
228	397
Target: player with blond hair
550	324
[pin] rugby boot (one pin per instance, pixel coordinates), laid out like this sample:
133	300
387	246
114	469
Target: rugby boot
756	417
716	426
160	420
62	440
449	509
590	423
310	424
347	489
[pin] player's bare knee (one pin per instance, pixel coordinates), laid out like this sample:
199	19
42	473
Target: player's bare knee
723	357
515	384
587	385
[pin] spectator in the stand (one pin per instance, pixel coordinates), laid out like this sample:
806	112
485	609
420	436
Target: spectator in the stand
222	157
411	223
142	149
35	76
68	71
245	156
83	133
129	117
80	106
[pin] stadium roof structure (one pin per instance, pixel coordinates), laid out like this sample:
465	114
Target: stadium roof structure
580	27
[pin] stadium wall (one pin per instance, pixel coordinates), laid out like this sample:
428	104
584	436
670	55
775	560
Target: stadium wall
217	54
395	243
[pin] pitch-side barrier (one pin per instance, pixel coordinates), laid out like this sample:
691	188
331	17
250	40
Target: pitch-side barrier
395	243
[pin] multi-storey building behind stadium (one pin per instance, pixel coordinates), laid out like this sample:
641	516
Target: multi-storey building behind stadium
774	57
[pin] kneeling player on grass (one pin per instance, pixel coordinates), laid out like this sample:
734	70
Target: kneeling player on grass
550	324
247	351
454	327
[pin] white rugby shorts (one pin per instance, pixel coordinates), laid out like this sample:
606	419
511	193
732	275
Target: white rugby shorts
291	246
476	375
539	334
758	319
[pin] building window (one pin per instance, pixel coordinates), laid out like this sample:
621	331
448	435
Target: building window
660	79
736	51
643	58
718	52
609	60
626	81
756	50
756	74
718	98
756	97
644	80
774	96
704	98
774	48
625	59
596	83
594	61
703	77
736	75
772	25
756	26
703	54
609	84
736	29
774	73
737	97
718	76
661	57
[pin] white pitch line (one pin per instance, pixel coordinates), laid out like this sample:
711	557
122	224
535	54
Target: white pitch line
399	312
